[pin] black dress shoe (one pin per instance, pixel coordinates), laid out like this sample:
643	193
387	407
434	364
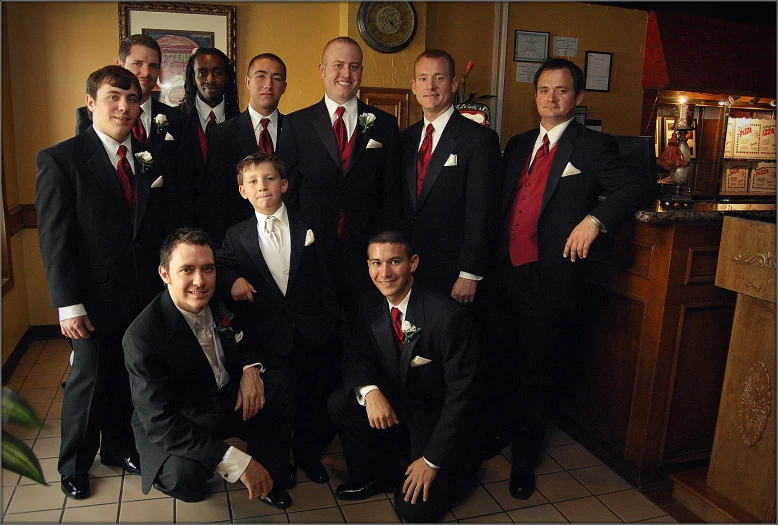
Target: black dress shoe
522	483
76	486
315	471
358	491
130	464
278	498
291	477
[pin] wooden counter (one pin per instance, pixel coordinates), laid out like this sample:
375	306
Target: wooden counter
646	361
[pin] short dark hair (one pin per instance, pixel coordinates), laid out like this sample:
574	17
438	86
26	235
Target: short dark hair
342	40
435	54
231	102
561	63
138	40
269	56
115	76
255	159
195	236
392	237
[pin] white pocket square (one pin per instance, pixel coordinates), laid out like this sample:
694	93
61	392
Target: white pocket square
374	144
419	361
570	170
309	238
451	161
169	137
157	183
239	336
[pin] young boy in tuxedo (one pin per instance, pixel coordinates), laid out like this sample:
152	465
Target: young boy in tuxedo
270	265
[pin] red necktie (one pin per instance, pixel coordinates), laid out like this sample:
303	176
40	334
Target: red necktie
138	131
339	127
425	154
265	142
127	180
398	327
211	122
542	152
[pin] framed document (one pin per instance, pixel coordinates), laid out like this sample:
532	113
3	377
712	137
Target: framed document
530	46
598	71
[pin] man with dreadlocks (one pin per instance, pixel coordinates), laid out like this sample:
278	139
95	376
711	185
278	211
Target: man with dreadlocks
210	97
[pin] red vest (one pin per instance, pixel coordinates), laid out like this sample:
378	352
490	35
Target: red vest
520	231
347	151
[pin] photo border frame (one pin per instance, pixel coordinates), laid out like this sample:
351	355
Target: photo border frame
519	33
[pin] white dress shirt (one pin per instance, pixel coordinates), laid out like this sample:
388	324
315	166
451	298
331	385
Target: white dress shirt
350	116
553	137
112	149
204	111
277	263
146	117
272	126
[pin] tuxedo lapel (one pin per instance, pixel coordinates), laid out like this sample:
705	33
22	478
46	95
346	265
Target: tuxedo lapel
143	182
244	133
360	139
415	316
384	335
323	126
411	156
446	146
102	169
564	151
513	171
297	231
250	240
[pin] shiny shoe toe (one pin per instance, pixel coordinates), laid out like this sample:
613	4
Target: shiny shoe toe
278	499
522	483
130	464
315	472
359	491
76	486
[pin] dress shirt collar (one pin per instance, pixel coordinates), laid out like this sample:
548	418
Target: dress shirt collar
403	306
204	110
112	148
352	108
553	136
280	214
205	316
440	123
256	118
146	107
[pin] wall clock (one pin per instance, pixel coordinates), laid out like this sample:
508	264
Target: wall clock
387	27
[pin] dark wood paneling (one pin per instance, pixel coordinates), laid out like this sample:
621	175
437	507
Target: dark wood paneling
395	101
701	265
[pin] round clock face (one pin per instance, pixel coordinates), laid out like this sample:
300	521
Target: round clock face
387	27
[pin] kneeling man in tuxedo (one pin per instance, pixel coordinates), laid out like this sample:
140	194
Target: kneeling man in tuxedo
196	380
409	377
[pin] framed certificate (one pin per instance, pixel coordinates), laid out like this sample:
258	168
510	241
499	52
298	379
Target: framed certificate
598	71
530	46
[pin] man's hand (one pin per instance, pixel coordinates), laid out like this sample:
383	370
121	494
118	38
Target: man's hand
257	479
464	290
242	290
251	395
419	480
77	327
580	239
379	412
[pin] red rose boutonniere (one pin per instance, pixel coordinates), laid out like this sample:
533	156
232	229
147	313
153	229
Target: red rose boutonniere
224	324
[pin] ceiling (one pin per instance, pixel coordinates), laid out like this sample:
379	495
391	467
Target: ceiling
760	13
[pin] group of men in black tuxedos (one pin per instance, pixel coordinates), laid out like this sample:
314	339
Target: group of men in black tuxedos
412	369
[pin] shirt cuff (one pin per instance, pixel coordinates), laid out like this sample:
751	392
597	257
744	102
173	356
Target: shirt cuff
430	465
69	312
471	276
233	464
362	391
258	365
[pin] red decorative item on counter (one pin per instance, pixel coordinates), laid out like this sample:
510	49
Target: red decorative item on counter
671	157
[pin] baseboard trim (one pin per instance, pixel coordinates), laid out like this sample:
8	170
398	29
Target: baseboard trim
41	331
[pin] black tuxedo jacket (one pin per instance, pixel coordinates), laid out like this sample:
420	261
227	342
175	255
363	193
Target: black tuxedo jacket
309	304
568	199
194	197
91	251
368	193
437	401
174	391
229	143
453	223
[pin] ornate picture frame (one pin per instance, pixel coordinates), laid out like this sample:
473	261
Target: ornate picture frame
179	29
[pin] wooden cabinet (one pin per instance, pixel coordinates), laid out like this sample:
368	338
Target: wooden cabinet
739	484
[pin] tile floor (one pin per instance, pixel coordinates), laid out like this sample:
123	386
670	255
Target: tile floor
573	485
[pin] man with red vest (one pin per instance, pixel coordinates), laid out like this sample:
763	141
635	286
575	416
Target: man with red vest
551	217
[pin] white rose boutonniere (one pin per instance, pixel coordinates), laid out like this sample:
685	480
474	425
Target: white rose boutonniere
409	331
145	160
366	121
161	122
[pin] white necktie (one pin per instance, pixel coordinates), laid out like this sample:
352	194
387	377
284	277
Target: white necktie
272	232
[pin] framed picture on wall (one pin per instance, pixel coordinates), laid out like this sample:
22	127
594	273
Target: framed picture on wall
597	71
530	46
179	29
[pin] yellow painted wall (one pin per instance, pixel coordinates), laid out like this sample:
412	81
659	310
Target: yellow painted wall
598	28
16	317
